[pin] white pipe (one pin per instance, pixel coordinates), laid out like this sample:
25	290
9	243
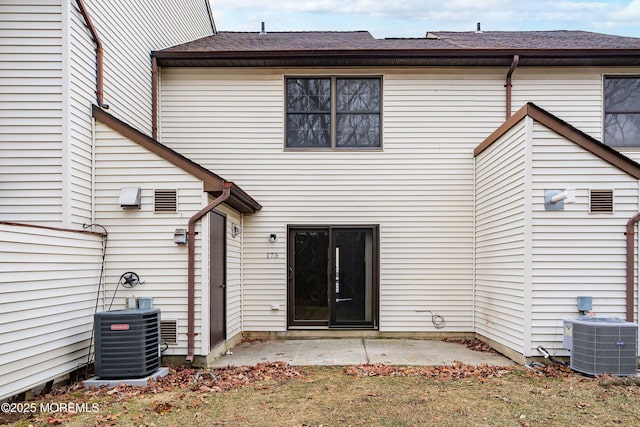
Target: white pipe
558	197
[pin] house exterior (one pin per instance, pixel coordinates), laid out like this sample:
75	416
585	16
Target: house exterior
327	184
381	214
58	58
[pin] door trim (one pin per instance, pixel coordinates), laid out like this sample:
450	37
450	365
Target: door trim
315	324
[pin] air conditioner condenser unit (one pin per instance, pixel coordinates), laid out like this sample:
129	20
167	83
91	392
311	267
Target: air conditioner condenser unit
602	345
127	343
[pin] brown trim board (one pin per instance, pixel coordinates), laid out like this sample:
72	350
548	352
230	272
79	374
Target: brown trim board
212	183
564	129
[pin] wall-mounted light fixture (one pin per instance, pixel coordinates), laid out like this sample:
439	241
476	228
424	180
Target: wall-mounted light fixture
273	237
235	230
129	197
180	236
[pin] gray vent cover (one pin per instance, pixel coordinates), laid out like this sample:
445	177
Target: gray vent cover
604	345
127	343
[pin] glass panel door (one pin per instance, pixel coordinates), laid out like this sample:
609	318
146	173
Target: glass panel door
332	277
310	276
352	296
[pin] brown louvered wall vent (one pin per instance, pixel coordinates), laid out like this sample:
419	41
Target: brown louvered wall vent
601	201
166	200
169	331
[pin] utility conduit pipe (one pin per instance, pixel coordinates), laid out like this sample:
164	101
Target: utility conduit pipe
191	266
630	233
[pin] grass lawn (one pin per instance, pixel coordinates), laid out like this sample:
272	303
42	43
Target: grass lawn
369	395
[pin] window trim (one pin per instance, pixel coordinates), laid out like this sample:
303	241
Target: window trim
604	110
334	114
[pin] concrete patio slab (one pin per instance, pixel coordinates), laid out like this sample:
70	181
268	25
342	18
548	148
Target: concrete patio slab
356	351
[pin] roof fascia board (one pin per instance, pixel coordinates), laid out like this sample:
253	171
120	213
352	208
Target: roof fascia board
409	52
565	130
417	57
212	183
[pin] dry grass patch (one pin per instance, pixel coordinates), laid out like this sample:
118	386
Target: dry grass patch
368	395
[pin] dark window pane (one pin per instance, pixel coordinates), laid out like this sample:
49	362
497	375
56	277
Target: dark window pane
622	111
358	130
622	130
308	130
308	95
622	95
358	95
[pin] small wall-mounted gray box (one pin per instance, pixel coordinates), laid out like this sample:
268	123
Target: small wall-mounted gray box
585	304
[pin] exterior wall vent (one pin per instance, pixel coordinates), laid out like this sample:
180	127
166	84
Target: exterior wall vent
601	201
169	331
166	200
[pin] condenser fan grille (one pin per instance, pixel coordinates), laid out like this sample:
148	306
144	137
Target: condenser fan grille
605	346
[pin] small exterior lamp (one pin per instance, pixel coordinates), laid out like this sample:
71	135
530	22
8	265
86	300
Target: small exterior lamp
235	230
180	236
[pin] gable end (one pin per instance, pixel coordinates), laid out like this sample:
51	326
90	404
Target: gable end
564	129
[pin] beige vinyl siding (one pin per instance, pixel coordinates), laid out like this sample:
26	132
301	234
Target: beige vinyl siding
234	273
48	288
31	80
418	189
501	244
574	94
82	86
128	31
576	253
141	240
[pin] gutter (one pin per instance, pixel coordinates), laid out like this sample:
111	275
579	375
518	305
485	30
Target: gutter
191	288
512	68
630	233
99	54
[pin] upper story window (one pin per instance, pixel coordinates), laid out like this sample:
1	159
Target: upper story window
333	112
622	111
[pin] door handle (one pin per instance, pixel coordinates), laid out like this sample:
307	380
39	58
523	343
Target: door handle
343	299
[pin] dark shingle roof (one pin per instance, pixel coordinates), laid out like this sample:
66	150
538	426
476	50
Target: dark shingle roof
324	48
279	41
536	40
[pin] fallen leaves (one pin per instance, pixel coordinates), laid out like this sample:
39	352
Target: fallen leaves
457	370
472	343
161	408
551	371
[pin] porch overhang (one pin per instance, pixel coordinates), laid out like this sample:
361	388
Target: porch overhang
212	183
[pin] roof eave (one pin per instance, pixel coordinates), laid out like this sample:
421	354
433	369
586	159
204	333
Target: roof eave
212	183
402	57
